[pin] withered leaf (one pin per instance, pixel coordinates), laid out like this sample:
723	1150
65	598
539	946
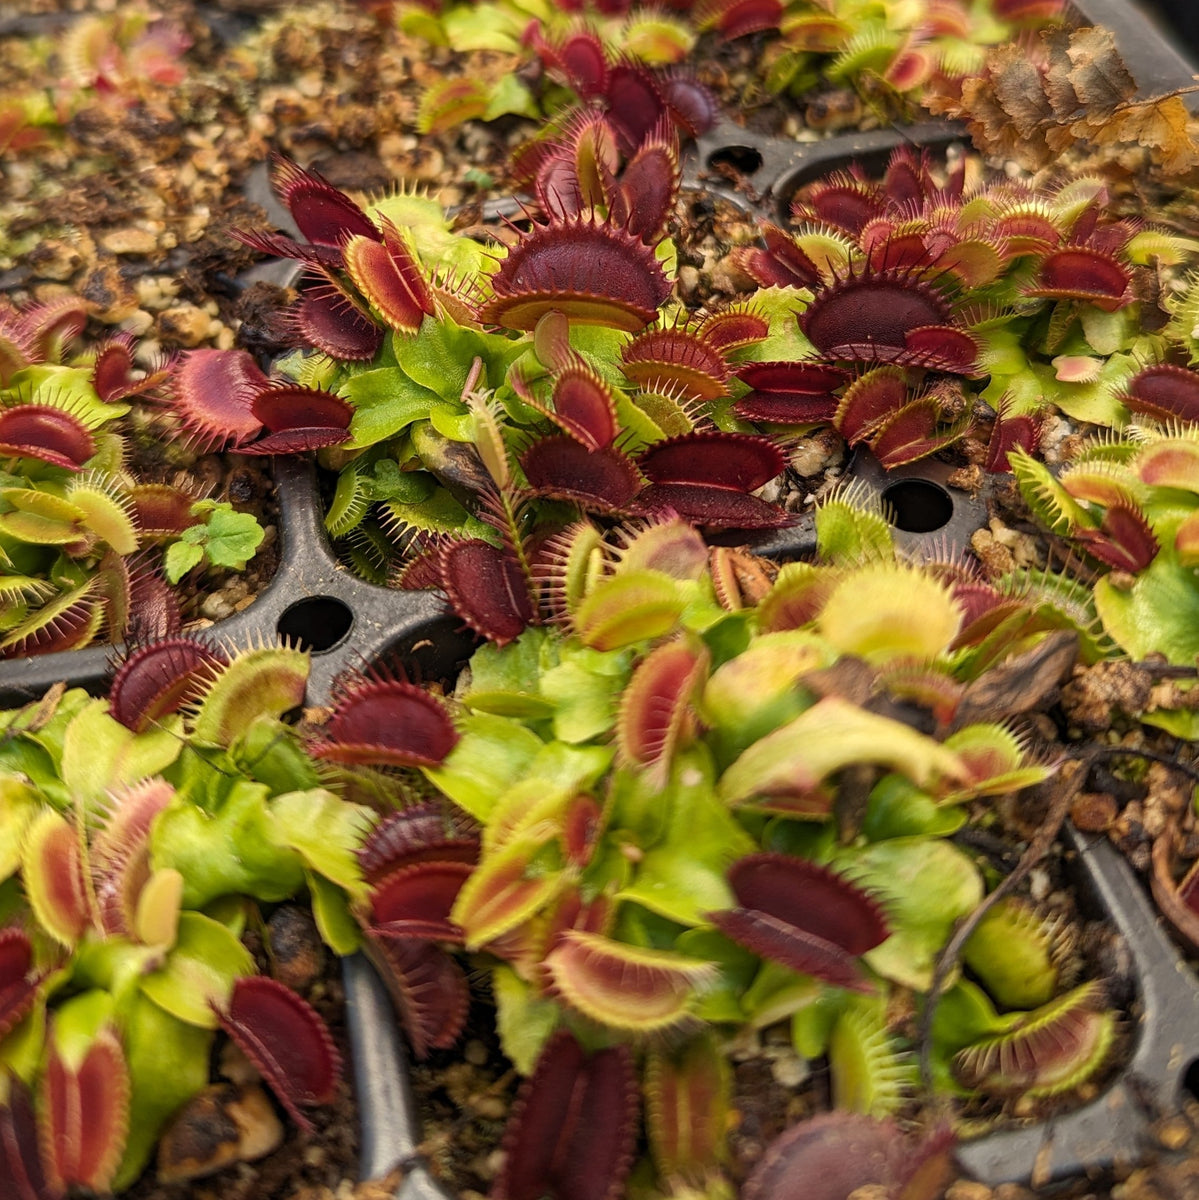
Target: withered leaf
990	128
1019	89
1098	74
1033	102
1164	126
1021	685
41	712
1058	88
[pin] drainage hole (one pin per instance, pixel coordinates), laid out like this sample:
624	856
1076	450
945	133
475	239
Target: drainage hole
918	505
1190	1078
315	624
745	160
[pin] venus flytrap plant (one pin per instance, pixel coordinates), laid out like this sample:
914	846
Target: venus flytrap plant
675	810
494	395
621	56
140	833
99	59
1128	505
78	528
928	296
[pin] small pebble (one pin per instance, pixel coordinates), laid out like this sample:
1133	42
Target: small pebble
296	951
184	325
221	1125
967	1189
54	259
689	279
130	241
1174	1133
216	607
789	1072
1093	812
491	1108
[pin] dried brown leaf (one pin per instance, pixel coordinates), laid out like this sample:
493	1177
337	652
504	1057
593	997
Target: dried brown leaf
1058	88
1164	126
990	128
1019	90
1034	102
1098	74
